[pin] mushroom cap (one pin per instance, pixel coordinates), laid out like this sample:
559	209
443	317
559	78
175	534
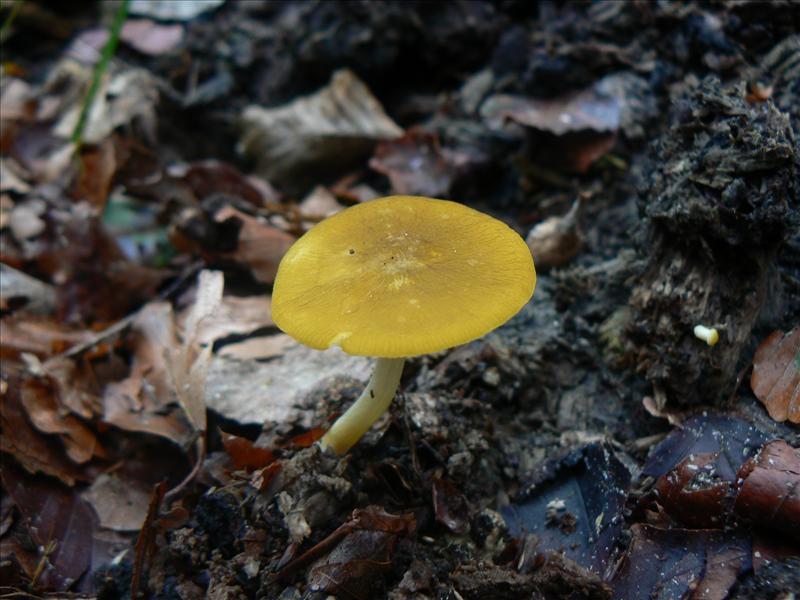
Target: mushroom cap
402	276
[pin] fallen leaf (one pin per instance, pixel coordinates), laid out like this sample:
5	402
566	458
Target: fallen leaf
694	495
776	375
19	290
259	347
770	493
588	109
152	39
48	415
416	164
573	505
330	129
229	235
244	453
40	336
235	315
277	391
145	400
93	181
187	363
13	177
120	504
60	523
571	131
35	452
125	95
733	439
169	10
212	177
681	563
318	204
364	553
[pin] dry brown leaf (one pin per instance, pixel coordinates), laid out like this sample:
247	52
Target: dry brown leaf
570	132
93	181
259	348
770	492
35	452
333	127
144	400
40	336
260	246
187	364
249	391
151	38
166	371
244	453
320	203
120	504
236	315
19	290
776	375
416	164
49	416
125	95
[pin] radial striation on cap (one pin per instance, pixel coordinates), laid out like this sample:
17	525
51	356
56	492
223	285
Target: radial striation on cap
402	276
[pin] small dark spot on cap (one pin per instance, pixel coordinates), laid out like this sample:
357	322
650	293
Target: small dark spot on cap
352	251
371	394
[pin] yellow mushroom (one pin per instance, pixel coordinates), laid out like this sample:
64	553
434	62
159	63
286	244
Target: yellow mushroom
398	277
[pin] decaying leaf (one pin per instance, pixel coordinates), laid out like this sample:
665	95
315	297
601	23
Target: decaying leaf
35	452
694	494
770	494
260	246
20	290
145	400
416	164
325	130
151	38
41	402
235	315
245	454
776	375
168	10
120	504
60	523
572	505
276	391
360	549
262	347
681	563
572	131
166	372
187	364
125	96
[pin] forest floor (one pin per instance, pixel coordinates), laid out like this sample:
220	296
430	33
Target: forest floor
159	432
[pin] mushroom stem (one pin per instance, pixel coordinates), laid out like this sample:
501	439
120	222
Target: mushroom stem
371	404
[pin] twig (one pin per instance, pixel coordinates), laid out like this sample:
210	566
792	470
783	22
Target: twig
125	321
201	455
99	71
